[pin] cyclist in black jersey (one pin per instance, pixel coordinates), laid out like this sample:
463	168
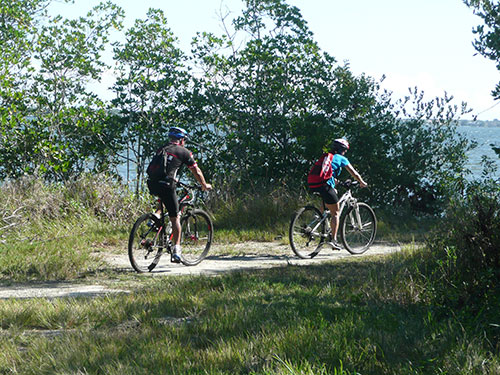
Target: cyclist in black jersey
177	156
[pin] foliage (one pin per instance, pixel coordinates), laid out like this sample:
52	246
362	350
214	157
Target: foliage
488	38
262	102
151	78
488	34
277	102
61	129
466	248
425	155
18	23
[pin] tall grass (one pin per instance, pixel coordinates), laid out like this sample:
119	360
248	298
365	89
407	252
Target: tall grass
355	316
48	231
431	310
465	274
258	217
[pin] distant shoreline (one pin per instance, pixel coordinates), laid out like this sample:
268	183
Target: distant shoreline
480	123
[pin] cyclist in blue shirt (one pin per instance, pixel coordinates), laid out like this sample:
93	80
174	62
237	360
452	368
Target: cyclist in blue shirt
327	189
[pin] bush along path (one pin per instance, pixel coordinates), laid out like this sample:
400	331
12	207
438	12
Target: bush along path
221	259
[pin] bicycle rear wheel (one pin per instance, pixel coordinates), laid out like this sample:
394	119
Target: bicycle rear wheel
358	227
306	232
145	244
196	236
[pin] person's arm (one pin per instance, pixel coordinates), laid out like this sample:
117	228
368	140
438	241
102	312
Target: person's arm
356	175
198	174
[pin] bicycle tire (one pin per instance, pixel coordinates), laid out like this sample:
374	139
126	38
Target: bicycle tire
305	243
145	245
358	239
196	236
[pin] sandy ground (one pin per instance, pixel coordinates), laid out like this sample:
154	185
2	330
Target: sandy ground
255	255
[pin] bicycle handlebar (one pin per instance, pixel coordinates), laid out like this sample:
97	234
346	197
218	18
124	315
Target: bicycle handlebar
348	183
189	187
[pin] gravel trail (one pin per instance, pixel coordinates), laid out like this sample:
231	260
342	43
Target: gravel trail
251	255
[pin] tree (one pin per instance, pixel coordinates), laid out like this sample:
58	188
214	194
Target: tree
488	35
264	93
152	76
277	101
62	128
18	24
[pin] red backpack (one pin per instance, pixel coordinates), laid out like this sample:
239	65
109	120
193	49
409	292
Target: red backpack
321	171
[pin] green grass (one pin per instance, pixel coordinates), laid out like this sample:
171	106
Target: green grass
376	315
56	250
355	316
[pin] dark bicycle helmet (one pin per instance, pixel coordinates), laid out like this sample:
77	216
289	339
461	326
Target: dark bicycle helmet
340	144
178	133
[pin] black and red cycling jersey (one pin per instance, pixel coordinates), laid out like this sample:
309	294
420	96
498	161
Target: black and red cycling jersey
177	156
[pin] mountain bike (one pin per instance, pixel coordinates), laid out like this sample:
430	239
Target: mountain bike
151	236
310	228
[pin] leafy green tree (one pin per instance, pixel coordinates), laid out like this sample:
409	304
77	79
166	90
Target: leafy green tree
264	93
277	101
151	79
18	24
488	34
428	154
74	119
488	38
62	128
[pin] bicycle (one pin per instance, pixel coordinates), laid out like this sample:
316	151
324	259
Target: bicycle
310	228
151	236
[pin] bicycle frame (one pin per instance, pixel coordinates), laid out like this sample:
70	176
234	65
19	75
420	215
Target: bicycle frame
152	233
186	200
310	227
346	199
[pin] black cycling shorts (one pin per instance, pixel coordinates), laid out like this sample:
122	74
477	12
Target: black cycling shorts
166	192
328	194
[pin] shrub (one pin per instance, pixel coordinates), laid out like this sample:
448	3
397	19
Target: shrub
267	210
31	200
467	247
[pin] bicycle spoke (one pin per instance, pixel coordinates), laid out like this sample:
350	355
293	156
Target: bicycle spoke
358	228
304	237
146	243
196	236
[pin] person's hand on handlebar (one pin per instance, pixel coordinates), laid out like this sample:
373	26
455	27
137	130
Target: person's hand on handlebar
206	187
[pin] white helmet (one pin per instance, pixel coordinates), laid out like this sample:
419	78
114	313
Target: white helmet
341	144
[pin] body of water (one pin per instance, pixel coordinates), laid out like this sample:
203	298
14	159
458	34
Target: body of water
484	136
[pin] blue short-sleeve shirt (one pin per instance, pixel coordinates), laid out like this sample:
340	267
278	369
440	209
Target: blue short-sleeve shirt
338	162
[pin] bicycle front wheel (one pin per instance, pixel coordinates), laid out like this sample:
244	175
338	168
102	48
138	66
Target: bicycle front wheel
358	228
306	232
196	236
145	244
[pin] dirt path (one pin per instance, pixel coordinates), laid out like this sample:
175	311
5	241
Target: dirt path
251	255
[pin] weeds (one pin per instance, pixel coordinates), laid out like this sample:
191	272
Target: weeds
49	230
466	248
391	315
353	316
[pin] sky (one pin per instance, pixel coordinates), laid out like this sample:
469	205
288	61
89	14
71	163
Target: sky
414	43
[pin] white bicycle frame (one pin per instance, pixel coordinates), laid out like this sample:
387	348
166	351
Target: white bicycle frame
345	199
